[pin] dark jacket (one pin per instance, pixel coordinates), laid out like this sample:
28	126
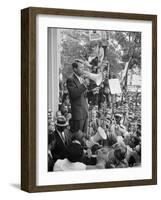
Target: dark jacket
60	149
79	107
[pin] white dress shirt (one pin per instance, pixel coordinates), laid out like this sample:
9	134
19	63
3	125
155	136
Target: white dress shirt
79	78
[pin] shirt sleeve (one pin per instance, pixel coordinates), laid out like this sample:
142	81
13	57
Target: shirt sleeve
57	166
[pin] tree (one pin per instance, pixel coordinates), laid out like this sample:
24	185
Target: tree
121	46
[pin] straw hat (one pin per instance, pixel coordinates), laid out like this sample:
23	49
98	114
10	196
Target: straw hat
61	121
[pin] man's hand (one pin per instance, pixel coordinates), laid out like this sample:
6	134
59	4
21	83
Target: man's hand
86	82
96	90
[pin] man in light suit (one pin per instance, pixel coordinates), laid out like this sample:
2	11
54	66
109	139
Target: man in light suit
77	93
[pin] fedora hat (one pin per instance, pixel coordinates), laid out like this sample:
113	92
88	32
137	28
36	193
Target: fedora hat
61	121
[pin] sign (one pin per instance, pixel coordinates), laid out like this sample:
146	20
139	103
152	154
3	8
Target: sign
134	88
94	35
115	86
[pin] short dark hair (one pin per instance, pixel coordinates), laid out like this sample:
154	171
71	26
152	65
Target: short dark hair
74	152
120	152
75	65
135	140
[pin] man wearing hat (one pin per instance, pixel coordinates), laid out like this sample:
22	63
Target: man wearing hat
120	129
62	139
77	93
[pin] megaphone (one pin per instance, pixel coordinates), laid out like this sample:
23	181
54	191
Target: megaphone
100	135
97	78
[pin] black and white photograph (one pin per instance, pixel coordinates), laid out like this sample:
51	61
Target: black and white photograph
89	99
94	99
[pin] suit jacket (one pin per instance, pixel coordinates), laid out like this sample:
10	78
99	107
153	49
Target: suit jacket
77	93
60	149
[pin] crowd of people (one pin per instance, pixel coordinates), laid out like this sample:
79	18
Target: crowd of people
75	150
93	129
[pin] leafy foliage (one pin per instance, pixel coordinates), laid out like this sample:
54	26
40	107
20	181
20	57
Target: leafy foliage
119	47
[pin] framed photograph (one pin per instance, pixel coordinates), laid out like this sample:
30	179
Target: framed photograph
88	99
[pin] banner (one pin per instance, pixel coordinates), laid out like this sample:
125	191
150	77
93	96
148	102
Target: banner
94	35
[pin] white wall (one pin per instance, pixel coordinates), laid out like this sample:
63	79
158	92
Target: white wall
10	98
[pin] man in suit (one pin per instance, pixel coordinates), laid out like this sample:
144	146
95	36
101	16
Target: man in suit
61	139
77	93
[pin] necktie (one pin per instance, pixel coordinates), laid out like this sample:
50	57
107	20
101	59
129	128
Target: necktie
63	136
